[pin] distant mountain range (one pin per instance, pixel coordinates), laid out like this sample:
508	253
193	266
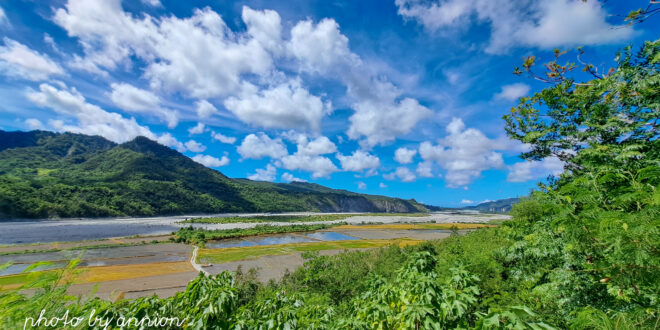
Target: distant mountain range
498	206
46	174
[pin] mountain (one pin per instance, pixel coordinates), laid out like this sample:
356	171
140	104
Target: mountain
46	174
498	206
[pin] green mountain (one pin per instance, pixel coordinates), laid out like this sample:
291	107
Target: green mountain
498	206
47	174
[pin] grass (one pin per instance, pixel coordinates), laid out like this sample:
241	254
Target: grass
408	226
200	236
83	247
295	218
253	252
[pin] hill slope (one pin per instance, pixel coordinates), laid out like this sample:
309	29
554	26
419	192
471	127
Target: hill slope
46	174
498	206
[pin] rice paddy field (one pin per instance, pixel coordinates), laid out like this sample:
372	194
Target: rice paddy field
141	266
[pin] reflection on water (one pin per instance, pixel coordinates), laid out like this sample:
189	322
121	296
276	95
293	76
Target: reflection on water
228	244
19	268
280	239
331	236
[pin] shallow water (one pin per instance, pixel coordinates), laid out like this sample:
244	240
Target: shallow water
280	239
228	244
331	236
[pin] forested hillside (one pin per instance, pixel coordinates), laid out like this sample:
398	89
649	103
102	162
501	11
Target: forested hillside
46	174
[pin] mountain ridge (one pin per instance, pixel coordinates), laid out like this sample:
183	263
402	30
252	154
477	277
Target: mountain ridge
57	175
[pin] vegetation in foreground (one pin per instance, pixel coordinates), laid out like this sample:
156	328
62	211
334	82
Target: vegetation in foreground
582	252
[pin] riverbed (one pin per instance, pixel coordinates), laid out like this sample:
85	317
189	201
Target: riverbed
69	230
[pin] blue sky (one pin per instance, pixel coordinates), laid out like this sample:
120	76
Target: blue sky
401	98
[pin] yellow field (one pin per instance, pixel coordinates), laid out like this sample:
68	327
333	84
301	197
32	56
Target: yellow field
408	226
108	273
253	252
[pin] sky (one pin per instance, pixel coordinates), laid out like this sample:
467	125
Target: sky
402	98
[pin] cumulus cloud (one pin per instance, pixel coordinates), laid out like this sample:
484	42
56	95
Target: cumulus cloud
382	113
402	173
382	185
18	60
319	166
512	92
210	161
209	66
205	109
287	105
133	99
33	123
194	146
380	116
361	185
535	170
404	155
197	129
256	146
359	161
308	155
464	153
288	177
467	201
91	118
267	174
425	169
543	24
223	138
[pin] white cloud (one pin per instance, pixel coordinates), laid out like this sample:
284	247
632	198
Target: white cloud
33	123
381	111
535	170
383	118
153	3
3	17
194	146
133	99
256	146
267	174
319	166
404	155
170	141
210	65
467	201
319	146
359	161
320	48
210	161
205	109
425	169
18	60
92	119
265	27
307	156
382	185
543	24
361	185
197	129
223	138
512	92
402	173
287	105
464	153
288	177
